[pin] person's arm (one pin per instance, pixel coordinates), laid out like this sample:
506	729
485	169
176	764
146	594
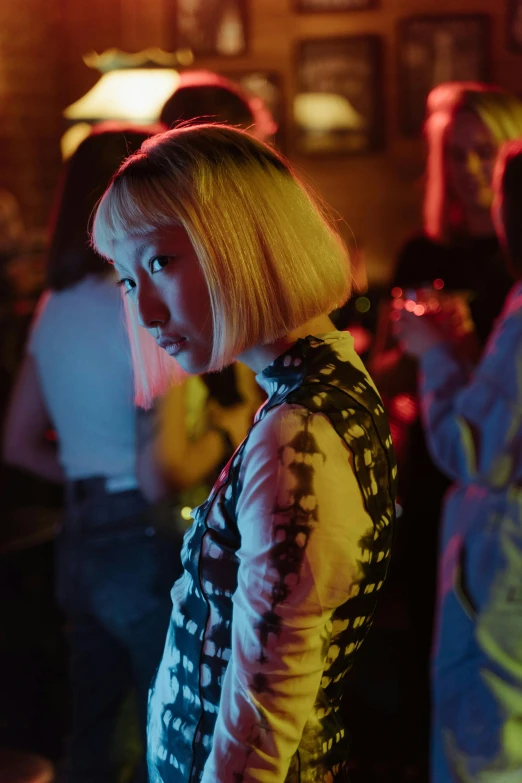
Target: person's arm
474	425
184	461
301	517
24	443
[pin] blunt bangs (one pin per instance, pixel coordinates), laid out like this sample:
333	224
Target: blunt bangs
129	206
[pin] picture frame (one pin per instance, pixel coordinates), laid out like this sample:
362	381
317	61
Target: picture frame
436	49
332	6
211	28
269	86
514	25
338	106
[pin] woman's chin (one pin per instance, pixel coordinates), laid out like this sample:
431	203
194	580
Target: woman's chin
190	364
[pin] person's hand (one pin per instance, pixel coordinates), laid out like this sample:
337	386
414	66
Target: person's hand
418	334
457	323
442	319
235	420
455	317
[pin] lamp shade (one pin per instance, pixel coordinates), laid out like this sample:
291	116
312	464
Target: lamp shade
325	112
131	94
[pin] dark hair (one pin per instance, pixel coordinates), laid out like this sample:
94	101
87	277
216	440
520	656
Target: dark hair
203	96
508	191
85	178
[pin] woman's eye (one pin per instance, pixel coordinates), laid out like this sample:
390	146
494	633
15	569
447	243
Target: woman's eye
127	284
158	263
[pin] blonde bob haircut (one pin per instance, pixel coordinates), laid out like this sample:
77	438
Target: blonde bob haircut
501	113
269	253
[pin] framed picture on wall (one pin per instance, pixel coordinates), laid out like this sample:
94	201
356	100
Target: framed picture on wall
514	25
211	27
438	49
325	6
268	86
338	106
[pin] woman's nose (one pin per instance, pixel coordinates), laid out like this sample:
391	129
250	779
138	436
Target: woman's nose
152	310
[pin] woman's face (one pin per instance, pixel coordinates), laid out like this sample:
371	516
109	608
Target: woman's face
470	157
162	275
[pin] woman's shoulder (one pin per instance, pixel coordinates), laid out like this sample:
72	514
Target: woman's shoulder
311	422
288	432
280	420
334	386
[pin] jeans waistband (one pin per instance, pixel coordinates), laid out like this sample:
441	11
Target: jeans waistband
102	485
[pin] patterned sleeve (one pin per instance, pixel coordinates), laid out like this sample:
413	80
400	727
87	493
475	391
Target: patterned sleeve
474	427
301	517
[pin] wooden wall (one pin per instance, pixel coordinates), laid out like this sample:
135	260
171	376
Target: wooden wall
41	72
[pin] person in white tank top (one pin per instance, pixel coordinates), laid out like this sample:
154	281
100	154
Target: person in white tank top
113	573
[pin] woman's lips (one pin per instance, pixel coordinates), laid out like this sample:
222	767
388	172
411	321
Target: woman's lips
172	347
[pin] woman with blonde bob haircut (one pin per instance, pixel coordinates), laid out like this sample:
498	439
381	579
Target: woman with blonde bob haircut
257	234
224	254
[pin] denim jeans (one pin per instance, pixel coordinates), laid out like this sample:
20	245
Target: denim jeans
477	668
114	575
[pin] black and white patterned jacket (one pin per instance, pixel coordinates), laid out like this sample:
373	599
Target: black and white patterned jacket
283	566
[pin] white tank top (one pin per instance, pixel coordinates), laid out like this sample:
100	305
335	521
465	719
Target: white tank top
81	348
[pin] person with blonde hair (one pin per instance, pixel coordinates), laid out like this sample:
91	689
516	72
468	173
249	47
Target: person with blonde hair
456	251
465	124
224	254
473	426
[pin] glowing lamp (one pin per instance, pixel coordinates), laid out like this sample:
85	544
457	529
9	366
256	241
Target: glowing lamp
133	95
133	88
323	112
